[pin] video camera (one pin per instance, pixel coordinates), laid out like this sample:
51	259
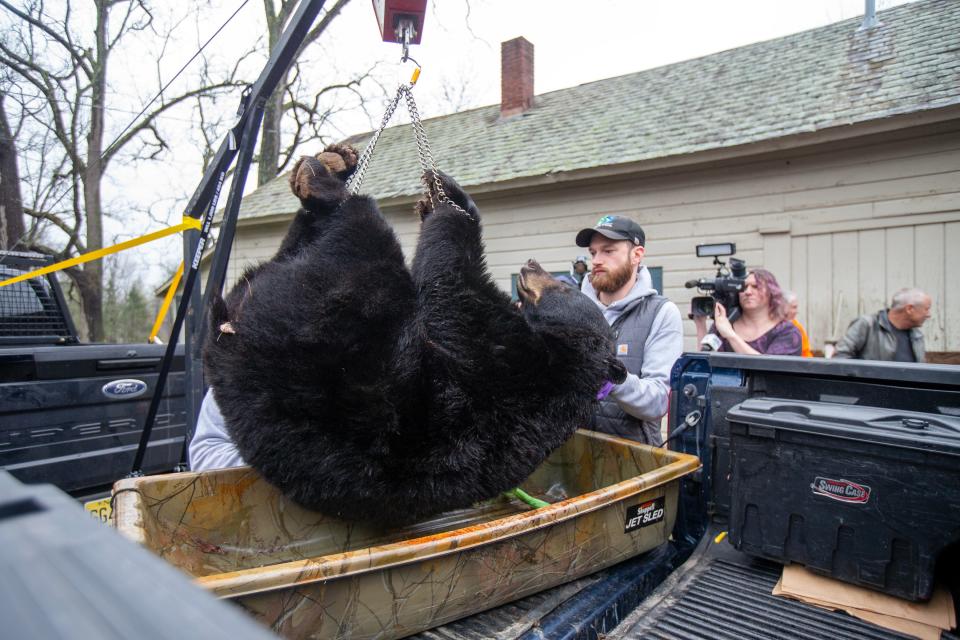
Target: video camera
724	288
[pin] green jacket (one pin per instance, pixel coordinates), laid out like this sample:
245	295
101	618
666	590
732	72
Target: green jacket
871	337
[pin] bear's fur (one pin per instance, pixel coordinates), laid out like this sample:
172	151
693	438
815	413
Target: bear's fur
367	390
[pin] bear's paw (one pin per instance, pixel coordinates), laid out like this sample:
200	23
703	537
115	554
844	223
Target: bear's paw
339	159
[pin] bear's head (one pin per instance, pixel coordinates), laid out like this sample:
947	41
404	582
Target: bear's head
567	318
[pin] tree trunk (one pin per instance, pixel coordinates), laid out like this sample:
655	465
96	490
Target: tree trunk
273	109
91	297
92	291
270	137
11	205
269	160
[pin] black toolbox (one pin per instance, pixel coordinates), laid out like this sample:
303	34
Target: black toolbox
866	495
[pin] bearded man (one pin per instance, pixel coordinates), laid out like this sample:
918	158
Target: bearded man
648	331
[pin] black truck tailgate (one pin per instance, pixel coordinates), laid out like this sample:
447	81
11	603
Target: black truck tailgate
72	415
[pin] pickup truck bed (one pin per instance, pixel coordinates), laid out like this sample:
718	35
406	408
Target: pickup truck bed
585	608
720	593
715	590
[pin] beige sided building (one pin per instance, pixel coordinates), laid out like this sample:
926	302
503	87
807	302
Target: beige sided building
831	157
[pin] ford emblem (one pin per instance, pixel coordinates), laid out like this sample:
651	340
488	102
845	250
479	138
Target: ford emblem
124	388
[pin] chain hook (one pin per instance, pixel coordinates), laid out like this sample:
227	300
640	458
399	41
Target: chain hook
405	33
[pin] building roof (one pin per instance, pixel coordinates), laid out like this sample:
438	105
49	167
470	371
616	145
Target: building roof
828	77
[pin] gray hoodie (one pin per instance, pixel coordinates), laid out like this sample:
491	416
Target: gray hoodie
644	394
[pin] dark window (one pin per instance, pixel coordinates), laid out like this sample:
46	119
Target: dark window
513	282
29	308
656	274
19	298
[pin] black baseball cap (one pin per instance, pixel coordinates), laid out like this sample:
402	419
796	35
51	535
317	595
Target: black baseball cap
615	228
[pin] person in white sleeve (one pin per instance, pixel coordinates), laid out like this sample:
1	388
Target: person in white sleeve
211	446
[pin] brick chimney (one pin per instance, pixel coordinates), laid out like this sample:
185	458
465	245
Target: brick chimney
516	76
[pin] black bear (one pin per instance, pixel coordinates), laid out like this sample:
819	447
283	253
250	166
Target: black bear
369	390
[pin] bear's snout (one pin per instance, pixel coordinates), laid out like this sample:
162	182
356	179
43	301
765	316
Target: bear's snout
533	281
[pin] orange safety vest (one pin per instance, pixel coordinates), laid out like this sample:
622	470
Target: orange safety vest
805	341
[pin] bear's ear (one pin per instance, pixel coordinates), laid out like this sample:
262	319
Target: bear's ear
616	370
218	312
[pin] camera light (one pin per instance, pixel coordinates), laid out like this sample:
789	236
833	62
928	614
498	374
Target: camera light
717	249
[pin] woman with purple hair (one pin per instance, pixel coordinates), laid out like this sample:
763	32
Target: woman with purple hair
762	328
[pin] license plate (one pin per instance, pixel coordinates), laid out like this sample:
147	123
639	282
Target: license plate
99	509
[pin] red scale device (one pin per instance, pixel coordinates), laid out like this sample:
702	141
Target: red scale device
400	21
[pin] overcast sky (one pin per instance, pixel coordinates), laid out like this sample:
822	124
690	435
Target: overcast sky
575	42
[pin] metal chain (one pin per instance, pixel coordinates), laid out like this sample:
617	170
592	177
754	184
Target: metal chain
423	147
426	155
427	163
353	183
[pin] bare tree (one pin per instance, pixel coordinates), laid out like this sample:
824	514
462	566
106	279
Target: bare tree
11	204
295	112
63	56
454	95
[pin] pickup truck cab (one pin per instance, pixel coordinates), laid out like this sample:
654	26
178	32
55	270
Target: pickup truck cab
71	414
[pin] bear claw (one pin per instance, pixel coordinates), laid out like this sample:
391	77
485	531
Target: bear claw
339	159
320	177
453	192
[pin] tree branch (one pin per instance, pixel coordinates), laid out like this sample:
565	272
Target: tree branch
158	146
314	33
270	13
286	8
150	117
75	273
48	92
37	23
52	218
123	29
